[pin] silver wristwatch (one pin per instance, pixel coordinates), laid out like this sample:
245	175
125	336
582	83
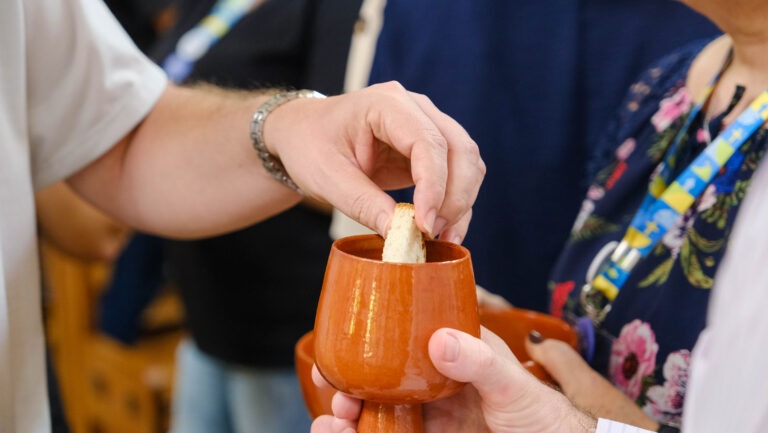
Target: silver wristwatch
273	165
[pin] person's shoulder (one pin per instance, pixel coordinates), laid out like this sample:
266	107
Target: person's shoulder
671	70
661	78
708	61
681	58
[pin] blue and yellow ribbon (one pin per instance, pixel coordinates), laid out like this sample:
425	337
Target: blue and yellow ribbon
197	41
666	202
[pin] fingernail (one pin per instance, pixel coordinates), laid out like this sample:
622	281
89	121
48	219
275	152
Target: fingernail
429	222
456	239
535	337
451	348
440	224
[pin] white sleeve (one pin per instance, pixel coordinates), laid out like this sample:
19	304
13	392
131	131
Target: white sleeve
607	426
87	84
728	382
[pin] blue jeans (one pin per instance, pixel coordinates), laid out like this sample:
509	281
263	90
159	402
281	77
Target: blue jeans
212	396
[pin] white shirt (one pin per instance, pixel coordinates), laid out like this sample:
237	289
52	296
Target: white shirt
359	62
728	384
71	85
728	389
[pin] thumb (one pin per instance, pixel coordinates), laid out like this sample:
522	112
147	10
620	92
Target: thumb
561	361
512	399
494	372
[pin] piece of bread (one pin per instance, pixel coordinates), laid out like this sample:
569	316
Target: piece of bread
405	242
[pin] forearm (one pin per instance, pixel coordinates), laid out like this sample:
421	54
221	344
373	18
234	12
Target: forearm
188	169
583	423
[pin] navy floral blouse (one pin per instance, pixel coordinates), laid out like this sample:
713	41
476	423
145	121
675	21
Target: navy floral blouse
643	346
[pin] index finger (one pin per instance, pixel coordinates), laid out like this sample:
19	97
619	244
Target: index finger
466	170
344	406
401	122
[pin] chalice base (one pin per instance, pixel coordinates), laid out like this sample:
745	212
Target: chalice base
390	418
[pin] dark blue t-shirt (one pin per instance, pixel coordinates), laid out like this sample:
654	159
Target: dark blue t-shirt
533	82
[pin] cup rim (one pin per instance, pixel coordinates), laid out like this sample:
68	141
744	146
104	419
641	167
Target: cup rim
336	248
301	343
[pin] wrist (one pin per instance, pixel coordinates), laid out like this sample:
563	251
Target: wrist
263	147
585	423
572	419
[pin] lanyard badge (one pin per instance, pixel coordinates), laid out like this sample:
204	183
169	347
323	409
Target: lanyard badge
666	202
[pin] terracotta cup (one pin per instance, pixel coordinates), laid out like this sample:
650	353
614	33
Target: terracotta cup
318	400
513	326
374	321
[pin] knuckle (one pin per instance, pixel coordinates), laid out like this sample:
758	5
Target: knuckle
394	86
436	140
459	206
359	207
469	151
481	167
486	360
422	98
473	154
391	88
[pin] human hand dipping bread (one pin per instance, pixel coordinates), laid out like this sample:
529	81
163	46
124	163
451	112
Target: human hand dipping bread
398	139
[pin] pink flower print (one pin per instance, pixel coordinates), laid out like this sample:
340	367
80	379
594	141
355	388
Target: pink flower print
673	238
587	207
595	192
626	149
665	402
708	198
633	357
703	136
671	108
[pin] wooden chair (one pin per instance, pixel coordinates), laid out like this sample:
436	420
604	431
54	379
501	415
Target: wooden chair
106	386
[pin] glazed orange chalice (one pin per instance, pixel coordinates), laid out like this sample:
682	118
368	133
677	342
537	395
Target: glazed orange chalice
374	321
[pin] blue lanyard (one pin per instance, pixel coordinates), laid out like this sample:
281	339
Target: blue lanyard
666	202
197	41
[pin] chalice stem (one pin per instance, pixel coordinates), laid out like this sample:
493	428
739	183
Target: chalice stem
390	418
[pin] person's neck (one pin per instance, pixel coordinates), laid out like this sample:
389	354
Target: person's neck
748	68
748	33
750	62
